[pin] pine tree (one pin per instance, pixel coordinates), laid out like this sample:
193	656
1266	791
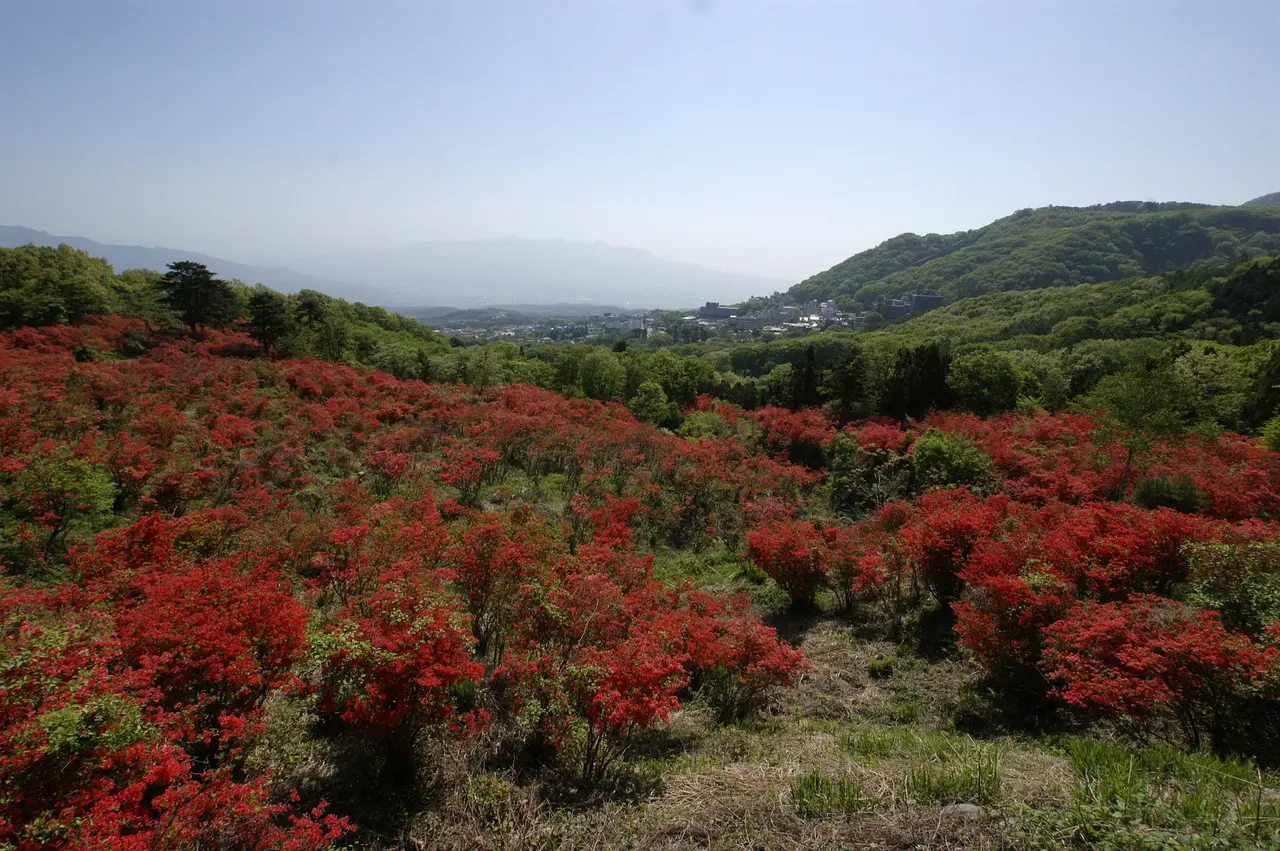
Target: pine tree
198	298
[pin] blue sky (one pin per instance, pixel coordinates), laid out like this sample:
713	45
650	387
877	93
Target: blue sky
770	137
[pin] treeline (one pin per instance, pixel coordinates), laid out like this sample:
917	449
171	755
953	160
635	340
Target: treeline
41	285
1210	331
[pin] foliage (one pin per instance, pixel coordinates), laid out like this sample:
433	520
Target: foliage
987	382
793	554
947	460
389	665
197	297
1177	492
201	543
1051	247
1150	660
650	404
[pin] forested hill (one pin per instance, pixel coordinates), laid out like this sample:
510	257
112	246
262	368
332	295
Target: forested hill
1272	200
1052	246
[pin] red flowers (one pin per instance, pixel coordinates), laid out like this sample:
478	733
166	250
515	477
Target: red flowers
1152	658
793	553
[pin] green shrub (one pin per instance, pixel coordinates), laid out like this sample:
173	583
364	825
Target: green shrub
1240	581
946	460
1271	434
1177	492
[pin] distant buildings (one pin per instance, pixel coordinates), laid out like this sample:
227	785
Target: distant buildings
892	309
713	310
619	324
927	300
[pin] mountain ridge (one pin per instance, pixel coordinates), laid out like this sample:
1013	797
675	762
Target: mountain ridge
1269	200
505	269
1050	246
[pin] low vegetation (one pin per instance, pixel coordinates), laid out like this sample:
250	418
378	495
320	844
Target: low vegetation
255	600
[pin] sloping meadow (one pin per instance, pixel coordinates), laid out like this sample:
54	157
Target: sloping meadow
237	587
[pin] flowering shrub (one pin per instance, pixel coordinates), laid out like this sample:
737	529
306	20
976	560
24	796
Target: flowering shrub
389	664
1150	660
794	554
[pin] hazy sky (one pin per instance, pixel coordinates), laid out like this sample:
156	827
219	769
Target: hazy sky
771	137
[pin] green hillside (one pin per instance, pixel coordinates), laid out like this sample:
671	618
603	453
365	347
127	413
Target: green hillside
1271	200
1052	247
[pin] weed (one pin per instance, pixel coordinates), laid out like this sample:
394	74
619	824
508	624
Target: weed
905	712
974	777
1161	787
880	669
817	794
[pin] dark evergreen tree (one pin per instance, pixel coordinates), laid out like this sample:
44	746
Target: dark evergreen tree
917	383
804	382
268	316
199	299
847	384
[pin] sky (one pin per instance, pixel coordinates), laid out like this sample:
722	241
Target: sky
773	137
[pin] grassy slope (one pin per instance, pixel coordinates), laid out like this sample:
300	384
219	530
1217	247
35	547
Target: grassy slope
864	753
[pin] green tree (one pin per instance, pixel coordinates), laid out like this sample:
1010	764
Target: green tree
946	460
268	316
917	382
847	385
986	382
804	382
1262	399
312	307
40	285
58	491
197	297
138	294
332	337
650	404
1134	408
602	375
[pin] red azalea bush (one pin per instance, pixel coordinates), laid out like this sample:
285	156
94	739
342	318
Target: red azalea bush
389	665
793	553
1151	660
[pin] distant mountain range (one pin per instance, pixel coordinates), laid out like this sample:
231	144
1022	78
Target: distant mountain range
520	271
459	274
1054	246
140	257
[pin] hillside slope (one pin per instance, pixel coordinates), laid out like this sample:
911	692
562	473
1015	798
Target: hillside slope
1052	246
1270	200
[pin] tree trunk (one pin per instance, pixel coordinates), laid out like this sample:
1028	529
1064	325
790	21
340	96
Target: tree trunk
1124	477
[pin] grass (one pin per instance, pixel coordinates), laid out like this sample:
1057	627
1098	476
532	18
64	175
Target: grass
1167	788
816	794
714	567
873	744
974	778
